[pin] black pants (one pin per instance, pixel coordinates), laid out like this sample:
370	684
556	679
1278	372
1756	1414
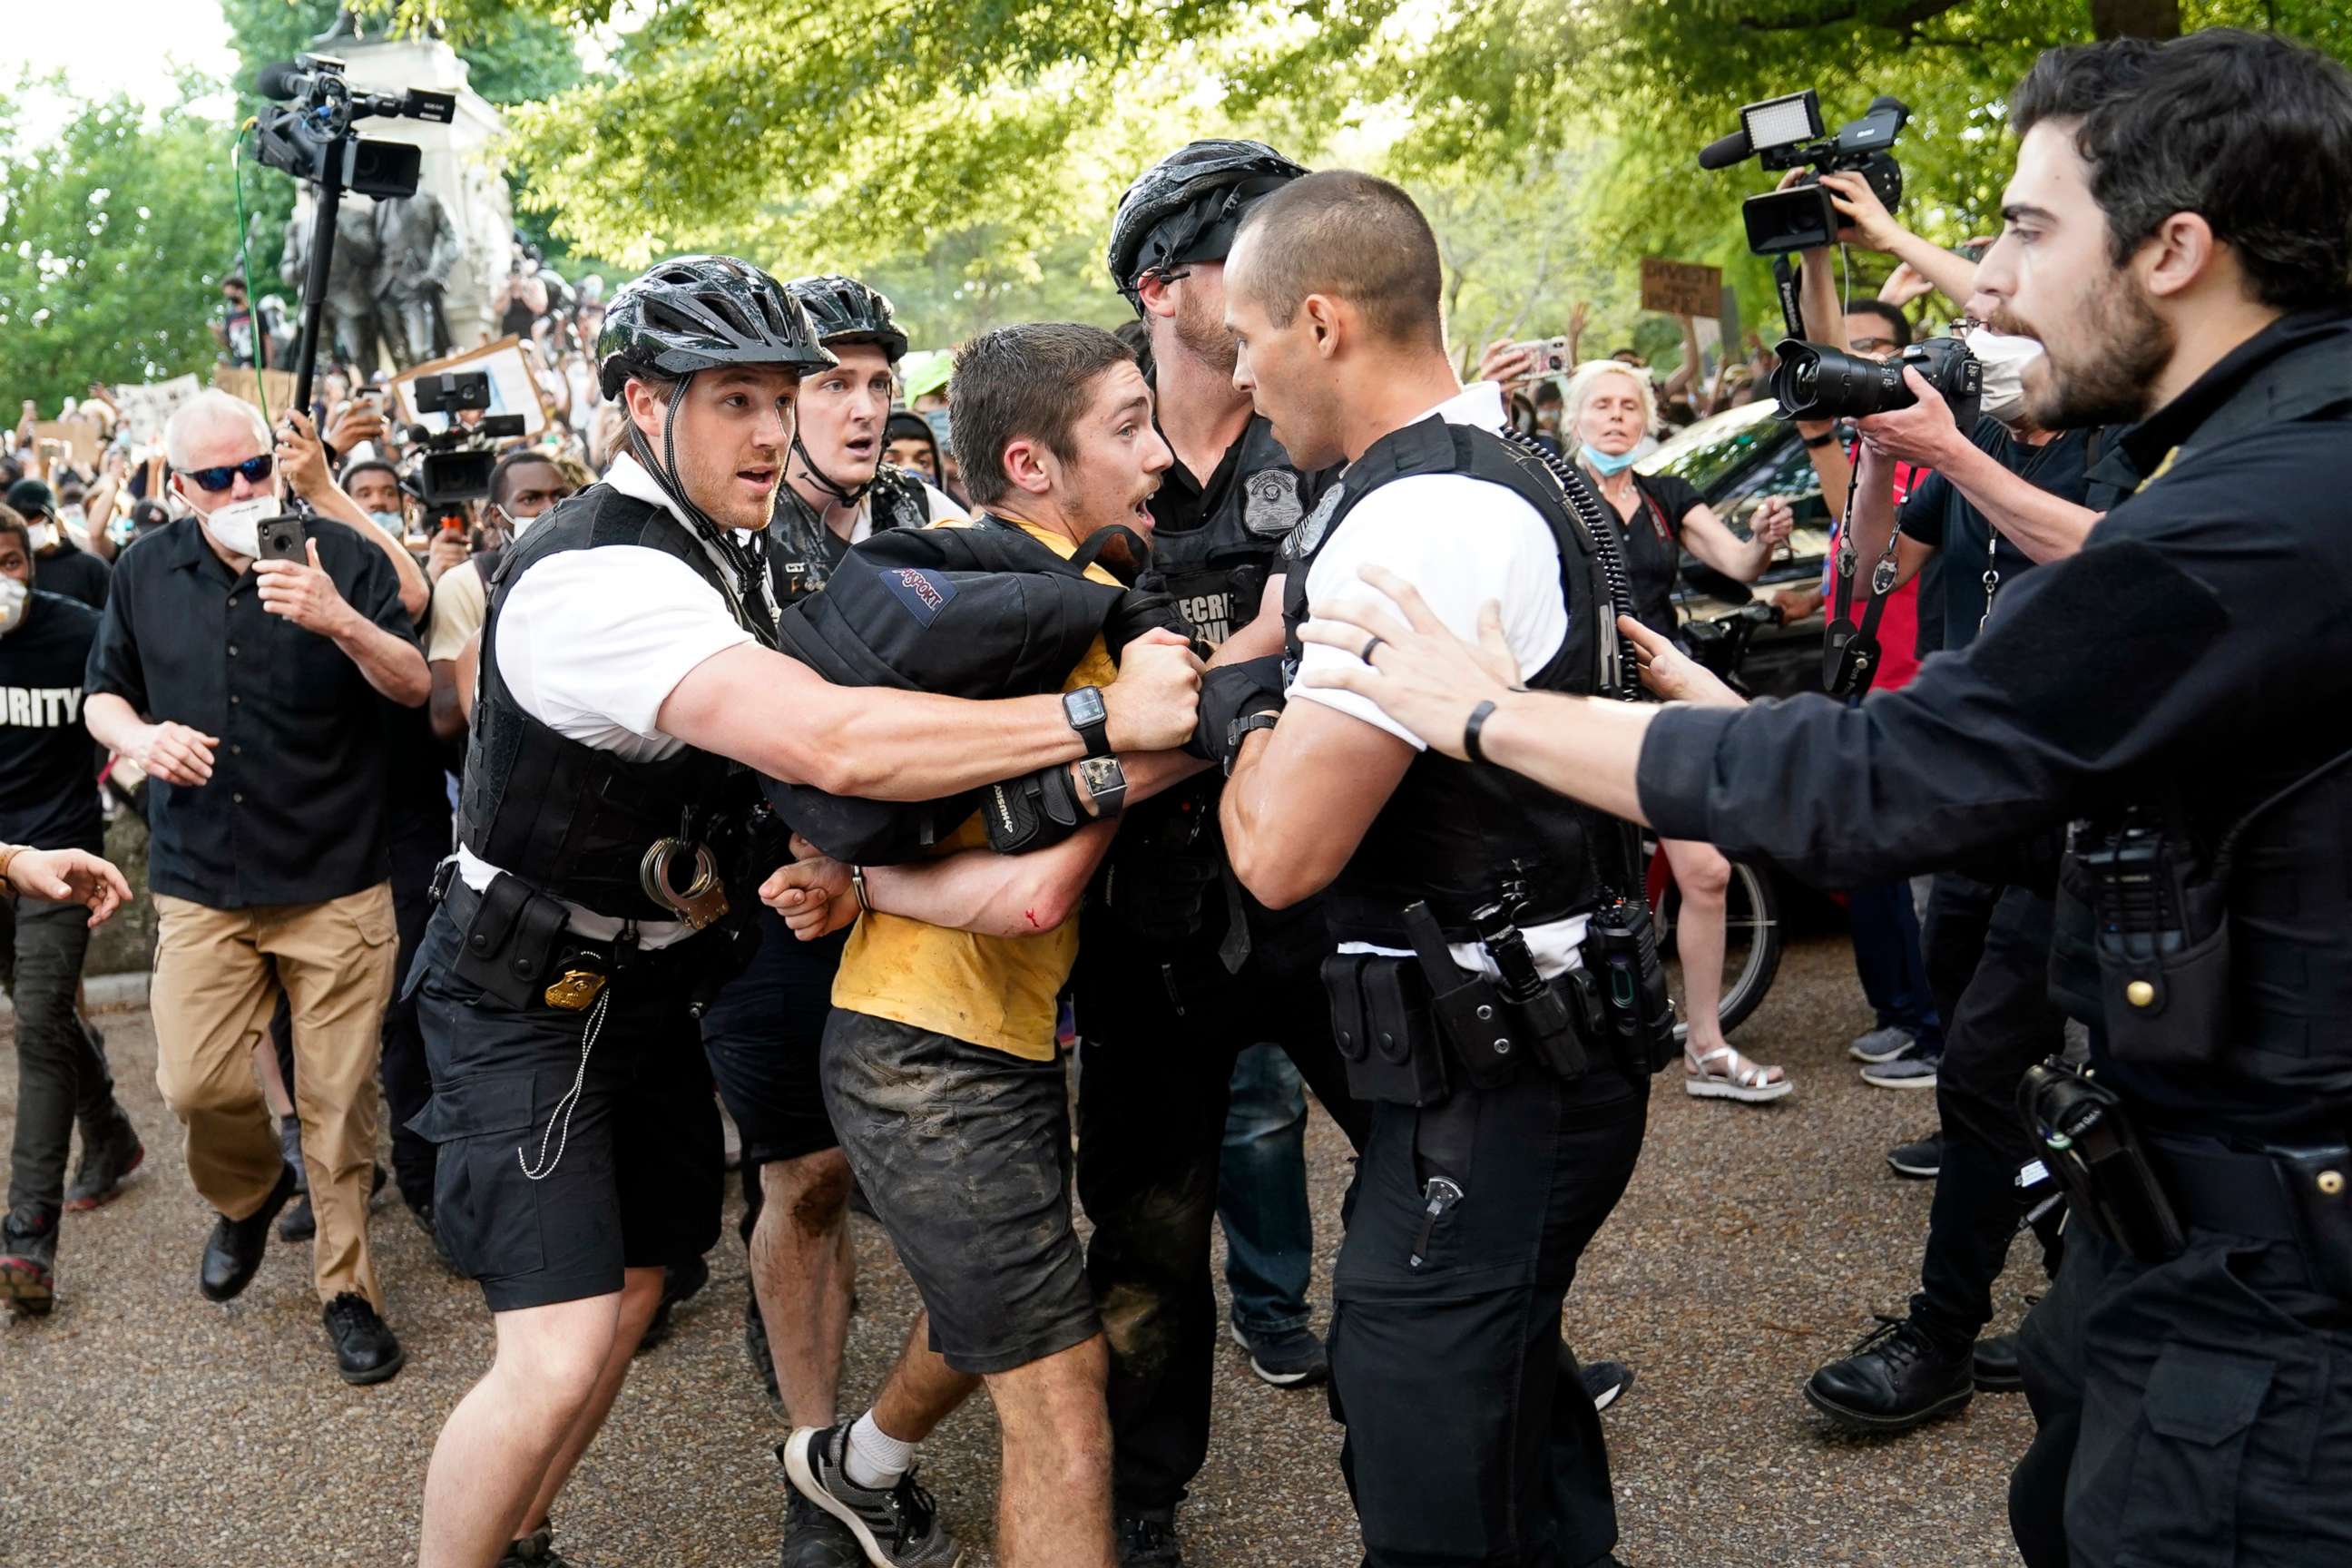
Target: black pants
1163	1026
1469	1438
1989	959
61	1075
2196	1414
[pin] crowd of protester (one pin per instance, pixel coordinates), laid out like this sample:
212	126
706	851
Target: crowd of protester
307	719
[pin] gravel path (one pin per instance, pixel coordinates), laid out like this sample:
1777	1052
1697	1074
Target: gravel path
148	1427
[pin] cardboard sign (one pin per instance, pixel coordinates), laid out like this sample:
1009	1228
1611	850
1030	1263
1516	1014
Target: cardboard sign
244	381
82	436
146	408
1681	287
513	388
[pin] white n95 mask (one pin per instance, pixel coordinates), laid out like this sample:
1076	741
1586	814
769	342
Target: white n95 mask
236	527
2004	359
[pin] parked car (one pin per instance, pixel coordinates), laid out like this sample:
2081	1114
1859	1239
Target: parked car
1737	460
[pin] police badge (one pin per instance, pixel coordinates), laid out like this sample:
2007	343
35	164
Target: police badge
1270	506
1309	533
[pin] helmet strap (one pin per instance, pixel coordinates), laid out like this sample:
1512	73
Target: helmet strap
747	564
825	482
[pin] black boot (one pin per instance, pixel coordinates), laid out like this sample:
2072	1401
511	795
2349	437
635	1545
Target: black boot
28	1259
232	1252
365	1349
1995	1364
110	1153
1897	1377
1148	1540
536	1550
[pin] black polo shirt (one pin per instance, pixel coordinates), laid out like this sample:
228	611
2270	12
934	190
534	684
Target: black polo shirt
294	812
48	773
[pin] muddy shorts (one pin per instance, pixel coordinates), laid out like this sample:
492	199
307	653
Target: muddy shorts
964	1152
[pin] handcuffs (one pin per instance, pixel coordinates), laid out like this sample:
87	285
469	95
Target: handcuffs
704	900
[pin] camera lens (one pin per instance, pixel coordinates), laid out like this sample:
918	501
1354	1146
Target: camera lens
1818	383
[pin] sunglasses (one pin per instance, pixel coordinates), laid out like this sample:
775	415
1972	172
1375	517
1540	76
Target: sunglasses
254	470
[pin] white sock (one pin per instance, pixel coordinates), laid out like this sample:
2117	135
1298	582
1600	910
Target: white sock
875	1460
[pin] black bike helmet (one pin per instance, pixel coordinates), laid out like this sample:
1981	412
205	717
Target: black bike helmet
1186	207
698	312
844	311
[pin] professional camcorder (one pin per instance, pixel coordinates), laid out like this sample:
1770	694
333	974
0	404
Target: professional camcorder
309	135
1813	382
1783	133
455	465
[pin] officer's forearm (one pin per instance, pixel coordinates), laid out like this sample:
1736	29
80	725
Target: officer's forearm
2044	526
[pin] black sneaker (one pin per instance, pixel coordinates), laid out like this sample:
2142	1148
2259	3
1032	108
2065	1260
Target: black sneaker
1897	1378
1605	1381
536	1550
814	1539
898	1527
755	1344
1292	1359
232	1252
1920	1159
107	1160
365	1349
28	1259
1995	1364
1146	1540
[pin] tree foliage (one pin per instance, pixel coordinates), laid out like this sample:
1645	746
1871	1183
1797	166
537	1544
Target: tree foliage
113	239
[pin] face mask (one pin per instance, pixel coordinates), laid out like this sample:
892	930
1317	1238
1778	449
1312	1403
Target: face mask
2005	359
236	527
1601	463
43	535
14	598
387	520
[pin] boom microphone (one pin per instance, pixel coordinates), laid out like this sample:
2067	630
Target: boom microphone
1725	150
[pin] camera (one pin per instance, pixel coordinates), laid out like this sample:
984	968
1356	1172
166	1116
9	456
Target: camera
456	465
1814	381
1546	356
309	135
1784	134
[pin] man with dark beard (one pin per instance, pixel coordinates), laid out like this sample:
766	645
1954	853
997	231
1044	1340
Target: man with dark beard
2178	238
1178	971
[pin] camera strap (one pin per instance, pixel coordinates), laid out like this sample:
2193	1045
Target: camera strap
1784	283
1850	649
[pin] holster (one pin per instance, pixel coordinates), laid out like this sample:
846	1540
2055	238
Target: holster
2086	1140
511	944
2318	1184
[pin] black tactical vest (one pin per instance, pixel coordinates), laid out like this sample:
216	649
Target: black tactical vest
572	821
803	552
1215	564
1454	834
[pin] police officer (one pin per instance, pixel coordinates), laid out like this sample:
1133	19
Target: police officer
2179	237
837	488
1177	975
1506	1122
610	844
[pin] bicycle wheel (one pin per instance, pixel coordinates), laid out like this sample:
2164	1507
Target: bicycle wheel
1751	941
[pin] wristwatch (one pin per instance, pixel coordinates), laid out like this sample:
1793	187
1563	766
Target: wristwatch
1090	717
1105	781
1239	730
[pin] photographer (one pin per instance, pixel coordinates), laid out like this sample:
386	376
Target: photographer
46	798
2178	238
523	486
246	689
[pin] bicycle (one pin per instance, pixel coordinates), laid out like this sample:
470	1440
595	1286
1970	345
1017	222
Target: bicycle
1752	940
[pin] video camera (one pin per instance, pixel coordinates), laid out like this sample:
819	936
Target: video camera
1780	133
455	464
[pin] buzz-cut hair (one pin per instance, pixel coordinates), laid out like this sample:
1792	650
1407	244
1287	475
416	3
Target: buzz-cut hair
1353	237
207	410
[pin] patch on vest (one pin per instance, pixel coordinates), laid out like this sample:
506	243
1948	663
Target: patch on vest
923	595
1270	506
1309	534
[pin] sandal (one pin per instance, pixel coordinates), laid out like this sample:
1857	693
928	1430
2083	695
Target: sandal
1723	1074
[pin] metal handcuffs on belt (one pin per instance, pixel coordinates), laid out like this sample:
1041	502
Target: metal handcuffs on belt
704	900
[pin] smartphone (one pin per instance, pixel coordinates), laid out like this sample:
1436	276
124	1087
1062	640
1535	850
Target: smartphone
283	539
1548	357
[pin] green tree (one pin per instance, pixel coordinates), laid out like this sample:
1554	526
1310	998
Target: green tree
114	236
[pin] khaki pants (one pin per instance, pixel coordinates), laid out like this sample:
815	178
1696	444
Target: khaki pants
217	976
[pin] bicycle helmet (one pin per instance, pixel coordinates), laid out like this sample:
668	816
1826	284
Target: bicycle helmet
698	312
1186	207
841	311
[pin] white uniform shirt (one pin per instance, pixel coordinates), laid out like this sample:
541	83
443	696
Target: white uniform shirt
591	642
1461	542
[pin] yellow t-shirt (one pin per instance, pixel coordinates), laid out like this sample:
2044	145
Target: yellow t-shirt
994	990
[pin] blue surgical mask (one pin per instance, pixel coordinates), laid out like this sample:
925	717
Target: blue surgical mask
1601	463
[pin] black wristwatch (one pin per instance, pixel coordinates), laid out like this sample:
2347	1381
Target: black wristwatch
1105	781
1239	730
1090	717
